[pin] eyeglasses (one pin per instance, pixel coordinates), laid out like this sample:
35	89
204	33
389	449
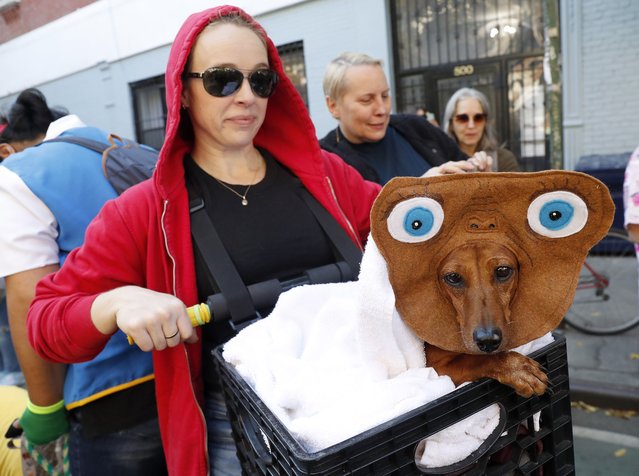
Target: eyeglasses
222	82
464	118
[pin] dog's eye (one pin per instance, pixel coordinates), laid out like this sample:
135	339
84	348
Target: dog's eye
454	279
503	273
415	220
557	214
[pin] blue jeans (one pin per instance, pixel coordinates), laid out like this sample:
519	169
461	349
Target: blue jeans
136	451
223	459
8	360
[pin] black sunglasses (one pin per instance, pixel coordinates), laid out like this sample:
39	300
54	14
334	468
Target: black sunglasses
464	118
222	82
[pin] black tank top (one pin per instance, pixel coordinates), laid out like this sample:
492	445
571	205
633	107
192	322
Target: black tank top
274	236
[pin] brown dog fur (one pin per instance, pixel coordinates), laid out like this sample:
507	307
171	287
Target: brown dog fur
480	279
487	278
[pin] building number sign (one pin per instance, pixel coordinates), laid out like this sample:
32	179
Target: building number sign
463	70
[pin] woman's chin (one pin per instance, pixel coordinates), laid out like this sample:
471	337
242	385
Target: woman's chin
375	135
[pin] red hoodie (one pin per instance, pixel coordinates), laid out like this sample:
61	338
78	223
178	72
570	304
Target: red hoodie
143	238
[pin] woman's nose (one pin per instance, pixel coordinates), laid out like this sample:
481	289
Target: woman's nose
381	106
245	93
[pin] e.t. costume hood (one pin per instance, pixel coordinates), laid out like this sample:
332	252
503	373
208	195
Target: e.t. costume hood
143	238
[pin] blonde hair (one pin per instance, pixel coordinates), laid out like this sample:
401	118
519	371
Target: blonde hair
333	83
230	18
235	18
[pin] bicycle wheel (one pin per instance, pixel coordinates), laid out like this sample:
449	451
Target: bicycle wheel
607	299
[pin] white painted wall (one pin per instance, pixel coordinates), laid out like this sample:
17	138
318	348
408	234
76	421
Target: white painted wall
85	60
600	77
106	30
610	75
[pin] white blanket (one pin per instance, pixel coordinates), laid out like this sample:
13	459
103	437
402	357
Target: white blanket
333	360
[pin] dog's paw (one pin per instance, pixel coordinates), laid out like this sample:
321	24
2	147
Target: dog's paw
523	374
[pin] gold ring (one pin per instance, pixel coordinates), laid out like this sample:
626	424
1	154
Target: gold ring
172	336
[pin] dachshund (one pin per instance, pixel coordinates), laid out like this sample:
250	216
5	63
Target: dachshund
480	280
483	263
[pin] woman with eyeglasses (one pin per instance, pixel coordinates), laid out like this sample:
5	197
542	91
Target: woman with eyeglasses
468	121
239	142
381	145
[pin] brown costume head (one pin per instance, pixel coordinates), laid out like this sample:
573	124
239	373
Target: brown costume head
483	263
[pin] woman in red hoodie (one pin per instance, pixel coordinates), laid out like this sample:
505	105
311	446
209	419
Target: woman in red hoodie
239	139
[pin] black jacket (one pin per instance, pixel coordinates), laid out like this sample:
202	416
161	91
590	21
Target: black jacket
430	142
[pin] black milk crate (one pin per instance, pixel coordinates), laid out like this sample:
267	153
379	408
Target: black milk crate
265	446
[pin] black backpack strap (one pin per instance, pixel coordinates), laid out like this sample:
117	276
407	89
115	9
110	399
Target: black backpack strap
343	244
231	286
94	145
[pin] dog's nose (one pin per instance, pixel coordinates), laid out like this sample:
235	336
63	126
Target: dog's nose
487	339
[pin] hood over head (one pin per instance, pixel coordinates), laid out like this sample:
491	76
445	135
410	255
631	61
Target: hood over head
287	130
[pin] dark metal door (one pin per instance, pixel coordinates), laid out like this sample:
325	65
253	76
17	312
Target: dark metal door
484	77
496	46
515	90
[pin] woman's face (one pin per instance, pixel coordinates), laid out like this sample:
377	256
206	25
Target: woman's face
229	122
468	123
363	110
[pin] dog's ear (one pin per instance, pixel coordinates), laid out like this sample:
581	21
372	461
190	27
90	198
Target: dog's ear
549	220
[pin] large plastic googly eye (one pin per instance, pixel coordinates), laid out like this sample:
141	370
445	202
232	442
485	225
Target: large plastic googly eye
557	214
415	220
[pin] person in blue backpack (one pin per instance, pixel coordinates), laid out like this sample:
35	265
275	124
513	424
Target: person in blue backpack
49	192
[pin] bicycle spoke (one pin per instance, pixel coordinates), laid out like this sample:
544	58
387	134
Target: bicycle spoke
607	297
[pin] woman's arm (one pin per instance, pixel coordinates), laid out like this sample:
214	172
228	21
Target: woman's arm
631	196
153	320
479	162
44	379
633	231
100	289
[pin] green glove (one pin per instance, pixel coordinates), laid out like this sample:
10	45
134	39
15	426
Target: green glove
44	424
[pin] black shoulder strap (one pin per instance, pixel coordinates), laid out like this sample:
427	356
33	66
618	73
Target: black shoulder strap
342	242
222	271
99	147
216	258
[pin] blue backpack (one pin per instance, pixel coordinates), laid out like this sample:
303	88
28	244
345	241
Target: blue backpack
124	161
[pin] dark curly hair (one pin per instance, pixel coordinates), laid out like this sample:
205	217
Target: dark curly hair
29	117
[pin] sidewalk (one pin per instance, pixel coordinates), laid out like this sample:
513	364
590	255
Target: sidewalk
604	370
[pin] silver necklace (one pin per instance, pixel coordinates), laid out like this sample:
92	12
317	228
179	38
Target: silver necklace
242	196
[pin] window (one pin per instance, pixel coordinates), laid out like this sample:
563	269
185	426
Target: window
434	32
495	46
292	55
149	108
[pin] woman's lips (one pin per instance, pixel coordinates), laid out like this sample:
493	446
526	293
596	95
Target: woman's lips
242	120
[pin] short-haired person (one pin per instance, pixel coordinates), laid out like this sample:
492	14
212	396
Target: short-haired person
49	192
239	137
381	145
30	119
468	120
26	122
